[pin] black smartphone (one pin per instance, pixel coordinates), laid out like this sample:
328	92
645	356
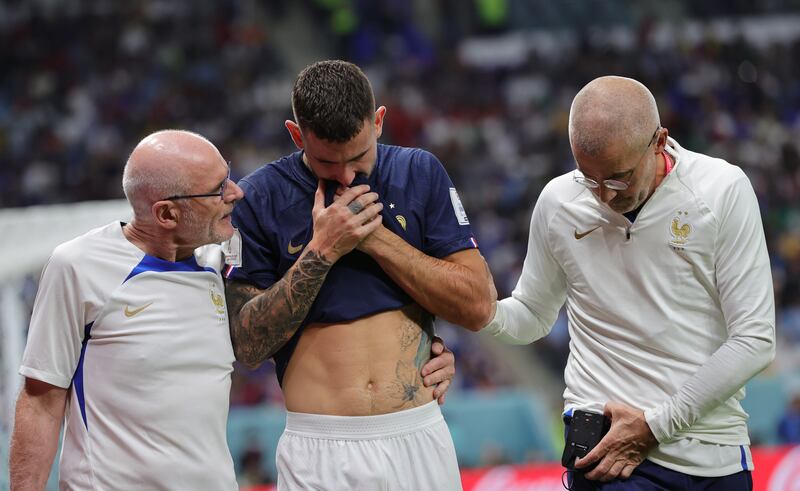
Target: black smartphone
586	429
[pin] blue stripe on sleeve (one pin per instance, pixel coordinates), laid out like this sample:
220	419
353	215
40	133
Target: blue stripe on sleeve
77	379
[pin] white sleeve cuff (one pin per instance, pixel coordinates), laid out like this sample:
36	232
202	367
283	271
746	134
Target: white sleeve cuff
655	420
514	323
495	326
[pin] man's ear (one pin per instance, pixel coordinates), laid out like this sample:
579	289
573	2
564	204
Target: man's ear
380	114
295	133
661	140
166	214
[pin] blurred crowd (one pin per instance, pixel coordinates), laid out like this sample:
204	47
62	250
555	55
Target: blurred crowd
485	85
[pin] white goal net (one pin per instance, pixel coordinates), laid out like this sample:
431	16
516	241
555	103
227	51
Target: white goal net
27	237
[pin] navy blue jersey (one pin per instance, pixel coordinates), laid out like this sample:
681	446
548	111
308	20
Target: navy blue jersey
420	204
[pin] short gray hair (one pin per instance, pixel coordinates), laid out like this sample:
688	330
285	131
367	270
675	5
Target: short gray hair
143	188
612	109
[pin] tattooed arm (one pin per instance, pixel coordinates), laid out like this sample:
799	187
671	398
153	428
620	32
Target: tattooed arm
262	321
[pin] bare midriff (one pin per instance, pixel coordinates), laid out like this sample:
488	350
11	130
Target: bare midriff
359	368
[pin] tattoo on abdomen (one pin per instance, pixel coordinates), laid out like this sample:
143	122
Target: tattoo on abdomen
423	324
264	320
407	384
416	330
424	348
409	332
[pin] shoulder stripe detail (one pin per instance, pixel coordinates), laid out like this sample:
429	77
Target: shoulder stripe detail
152	263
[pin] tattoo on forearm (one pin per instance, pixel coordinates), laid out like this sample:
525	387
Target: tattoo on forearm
264	320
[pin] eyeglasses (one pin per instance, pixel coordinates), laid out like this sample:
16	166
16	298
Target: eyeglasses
613	184
220	193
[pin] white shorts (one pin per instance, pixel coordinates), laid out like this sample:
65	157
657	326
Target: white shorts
407	450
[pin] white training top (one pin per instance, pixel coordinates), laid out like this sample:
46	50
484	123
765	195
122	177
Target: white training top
144	346
671	314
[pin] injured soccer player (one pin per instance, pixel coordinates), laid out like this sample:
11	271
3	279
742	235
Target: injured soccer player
350	324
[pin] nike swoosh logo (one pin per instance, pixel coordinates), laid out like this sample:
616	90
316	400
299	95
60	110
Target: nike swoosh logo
294	249
580	236
131	313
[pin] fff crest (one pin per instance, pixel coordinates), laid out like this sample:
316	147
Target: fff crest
680	229
216	299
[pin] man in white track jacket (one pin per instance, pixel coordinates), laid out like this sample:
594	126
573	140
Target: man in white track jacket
659	254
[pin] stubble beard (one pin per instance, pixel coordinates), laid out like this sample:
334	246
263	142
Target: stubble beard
203	232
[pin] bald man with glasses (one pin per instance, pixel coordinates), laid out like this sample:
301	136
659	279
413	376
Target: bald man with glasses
659	255
129	344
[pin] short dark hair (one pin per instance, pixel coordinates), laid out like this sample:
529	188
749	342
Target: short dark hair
332	99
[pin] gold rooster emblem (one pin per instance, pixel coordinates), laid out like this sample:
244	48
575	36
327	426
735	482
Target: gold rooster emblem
217	299
402	220
680	232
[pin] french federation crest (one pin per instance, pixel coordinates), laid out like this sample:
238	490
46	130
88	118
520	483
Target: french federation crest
680	229
217	299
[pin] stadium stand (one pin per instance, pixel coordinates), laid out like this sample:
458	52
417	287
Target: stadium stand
484	85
